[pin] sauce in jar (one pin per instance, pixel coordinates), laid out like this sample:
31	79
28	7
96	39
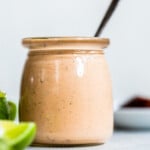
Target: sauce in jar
66	90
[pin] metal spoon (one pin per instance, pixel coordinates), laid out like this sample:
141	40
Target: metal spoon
106	17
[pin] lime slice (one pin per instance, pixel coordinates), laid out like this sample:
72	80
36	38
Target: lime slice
15	136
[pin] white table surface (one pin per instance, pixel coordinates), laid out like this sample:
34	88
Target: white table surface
121	140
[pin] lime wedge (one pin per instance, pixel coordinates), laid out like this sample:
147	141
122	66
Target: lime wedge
15	136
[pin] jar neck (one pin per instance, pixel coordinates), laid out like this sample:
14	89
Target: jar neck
62	52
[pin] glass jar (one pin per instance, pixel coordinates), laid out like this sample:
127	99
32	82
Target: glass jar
66	90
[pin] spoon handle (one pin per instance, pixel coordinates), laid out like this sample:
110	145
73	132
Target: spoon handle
106	17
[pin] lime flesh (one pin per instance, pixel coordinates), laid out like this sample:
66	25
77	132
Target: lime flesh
15	136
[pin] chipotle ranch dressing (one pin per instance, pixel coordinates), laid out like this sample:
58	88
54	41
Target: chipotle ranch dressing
66	90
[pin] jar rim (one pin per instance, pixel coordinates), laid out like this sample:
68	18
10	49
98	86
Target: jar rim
41	42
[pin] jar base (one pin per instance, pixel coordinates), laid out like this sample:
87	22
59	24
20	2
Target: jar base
65	145
69	143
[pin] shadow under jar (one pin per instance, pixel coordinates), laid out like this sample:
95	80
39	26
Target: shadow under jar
66	90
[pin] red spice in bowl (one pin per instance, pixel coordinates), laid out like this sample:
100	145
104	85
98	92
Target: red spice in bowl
137	101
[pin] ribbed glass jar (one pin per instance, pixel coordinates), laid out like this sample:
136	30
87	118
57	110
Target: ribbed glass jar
66	90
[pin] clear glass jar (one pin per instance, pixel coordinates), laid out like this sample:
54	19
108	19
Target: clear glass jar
66	90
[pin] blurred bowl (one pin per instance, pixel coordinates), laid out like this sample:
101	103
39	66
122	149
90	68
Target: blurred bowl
133	118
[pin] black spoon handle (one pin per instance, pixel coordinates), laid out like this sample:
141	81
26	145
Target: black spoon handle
106	17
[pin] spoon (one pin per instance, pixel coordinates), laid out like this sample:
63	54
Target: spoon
106	17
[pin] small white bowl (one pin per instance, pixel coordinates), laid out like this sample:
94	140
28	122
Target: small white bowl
133	118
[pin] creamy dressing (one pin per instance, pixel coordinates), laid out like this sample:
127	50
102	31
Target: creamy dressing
69	97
